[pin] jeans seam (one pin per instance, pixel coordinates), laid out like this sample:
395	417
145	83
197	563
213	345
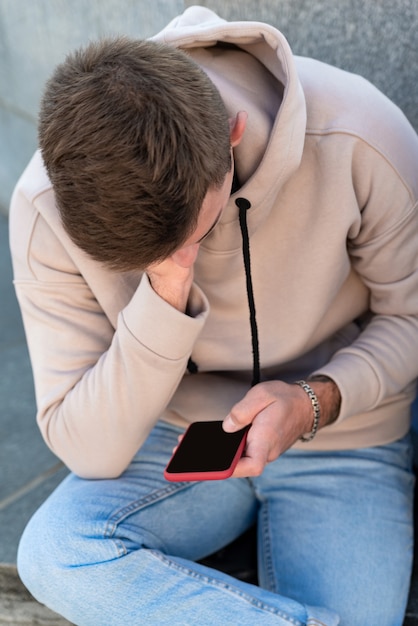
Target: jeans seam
268	559
120	547
151	498
228	588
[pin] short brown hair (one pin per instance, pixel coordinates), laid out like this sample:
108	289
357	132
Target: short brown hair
133	134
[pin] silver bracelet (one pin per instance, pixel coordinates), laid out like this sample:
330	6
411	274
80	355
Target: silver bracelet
316	409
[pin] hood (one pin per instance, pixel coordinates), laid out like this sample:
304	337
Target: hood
253	68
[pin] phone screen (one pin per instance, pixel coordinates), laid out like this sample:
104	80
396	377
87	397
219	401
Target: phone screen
206	452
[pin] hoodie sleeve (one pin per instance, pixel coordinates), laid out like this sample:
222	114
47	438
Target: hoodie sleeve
383	360
99	389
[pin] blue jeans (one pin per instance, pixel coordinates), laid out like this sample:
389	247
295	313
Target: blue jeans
334	531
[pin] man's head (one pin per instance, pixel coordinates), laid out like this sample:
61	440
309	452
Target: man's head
133	135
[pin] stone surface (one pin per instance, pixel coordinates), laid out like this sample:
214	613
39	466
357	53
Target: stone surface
375	39
19	506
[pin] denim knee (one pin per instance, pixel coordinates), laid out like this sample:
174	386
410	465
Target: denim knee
37	557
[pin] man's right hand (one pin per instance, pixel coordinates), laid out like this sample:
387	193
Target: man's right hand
172	278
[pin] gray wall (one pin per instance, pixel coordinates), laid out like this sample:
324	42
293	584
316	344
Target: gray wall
375	38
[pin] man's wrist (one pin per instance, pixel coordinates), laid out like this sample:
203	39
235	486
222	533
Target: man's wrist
329	398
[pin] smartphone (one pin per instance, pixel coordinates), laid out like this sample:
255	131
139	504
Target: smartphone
206	452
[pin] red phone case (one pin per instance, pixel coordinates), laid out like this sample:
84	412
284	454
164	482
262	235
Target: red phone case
207	475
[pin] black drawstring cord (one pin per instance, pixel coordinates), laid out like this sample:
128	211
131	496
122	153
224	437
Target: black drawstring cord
243	204
192	366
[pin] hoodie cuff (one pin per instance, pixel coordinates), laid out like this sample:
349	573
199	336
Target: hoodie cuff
357	382
161	328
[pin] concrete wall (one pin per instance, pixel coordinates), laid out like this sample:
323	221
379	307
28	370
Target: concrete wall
376	38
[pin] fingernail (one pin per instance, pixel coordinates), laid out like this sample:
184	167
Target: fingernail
228	425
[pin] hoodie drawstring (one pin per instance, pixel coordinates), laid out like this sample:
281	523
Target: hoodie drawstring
243	205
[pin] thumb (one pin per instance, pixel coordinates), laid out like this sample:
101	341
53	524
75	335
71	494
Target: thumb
235	420
243	412
230	425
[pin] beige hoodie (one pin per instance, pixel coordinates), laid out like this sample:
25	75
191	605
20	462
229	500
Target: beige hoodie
330	168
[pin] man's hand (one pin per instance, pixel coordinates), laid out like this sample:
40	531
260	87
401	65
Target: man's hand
280	414
172	278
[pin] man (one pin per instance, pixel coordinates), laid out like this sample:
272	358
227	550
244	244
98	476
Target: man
221	231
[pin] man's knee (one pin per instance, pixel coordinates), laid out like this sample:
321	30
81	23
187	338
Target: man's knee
37	561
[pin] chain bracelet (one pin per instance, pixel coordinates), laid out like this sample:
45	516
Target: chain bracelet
315	407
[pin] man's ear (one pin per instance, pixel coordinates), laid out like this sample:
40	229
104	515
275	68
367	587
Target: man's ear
237	127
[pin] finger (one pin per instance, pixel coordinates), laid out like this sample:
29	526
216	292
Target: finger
244	412
179	440
251	465
255	457
232	423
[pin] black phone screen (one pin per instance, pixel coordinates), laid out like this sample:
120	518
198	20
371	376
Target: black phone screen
206	447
